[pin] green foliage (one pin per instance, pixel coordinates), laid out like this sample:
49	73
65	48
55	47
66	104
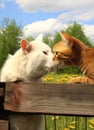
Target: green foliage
3	53
30	38
51	40
69	70
48	39
77	30
57	122
10	36
56	38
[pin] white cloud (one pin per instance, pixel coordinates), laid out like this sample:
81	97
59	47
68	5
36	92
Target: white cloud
78	15
51	26
89	31
46	26
2	5
77	10
51	5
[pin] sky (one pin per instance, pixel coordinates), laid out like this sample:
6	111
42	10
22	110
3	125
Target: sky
49	16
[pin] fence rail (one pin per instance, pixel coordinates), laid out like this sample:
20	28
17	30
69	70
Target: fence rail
47	98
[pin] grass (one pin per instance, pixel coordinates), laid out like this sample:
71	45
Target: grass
58	77
66	122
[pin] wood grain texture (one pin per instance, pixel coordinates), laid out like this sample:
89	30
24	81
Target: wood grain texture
26	121
4	125
68	99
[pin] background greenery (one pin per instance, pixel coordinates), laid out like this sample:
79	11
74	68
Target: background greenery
10	36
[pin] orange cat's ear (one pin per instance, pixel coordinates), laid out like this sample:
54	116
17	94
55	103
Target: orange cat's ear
66	38
26	46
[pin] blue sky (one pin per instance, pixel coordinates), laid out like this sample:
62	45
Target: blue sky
12	10
48	16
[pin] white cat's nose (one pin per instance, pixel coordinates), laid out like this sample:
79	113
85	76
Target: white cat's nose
49	69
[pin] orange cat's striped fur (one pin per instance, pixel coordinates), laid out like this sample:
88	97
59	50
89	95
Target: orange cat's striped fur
71	51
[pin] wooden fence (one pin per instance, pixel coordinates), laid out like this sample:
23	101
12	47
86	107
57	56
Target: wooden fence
19	101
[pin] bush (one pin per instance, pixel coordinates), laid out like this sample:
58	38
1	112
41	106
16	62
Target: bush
70	70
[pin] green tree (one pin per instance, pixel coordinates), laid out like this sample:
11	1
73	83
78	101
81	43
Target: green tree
10	35
56	38
3	53
48	39
77	30
51	40
30	38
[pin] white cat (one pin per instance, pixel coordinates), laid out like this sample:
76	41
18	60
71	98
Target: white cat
30	63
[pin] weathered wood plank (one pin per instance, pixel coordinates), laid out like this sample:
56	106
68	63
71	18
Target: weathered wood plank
71	99
4	125
26	121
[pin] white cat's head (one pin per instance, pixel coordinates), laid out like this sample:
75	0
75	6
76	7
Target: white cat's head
39	55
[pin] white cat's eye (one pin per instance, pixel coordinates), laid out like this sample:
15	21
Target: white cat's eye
45	52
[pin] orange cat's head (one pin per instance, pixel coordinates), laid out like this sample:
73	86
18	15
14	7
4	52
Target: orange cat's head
68	50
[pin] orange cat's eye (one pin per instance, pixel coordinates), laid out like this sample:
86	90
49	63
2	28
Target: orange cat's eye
56	53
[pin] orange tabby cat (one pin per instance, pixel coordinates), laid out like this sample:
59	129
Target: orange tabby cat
71	51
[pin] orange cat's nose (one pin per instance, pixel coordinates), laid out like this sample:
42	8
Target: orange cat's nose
54	58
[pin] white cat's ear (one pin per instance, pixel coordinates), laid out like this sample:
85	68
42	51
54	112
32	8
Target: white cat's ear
39	38
25	45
